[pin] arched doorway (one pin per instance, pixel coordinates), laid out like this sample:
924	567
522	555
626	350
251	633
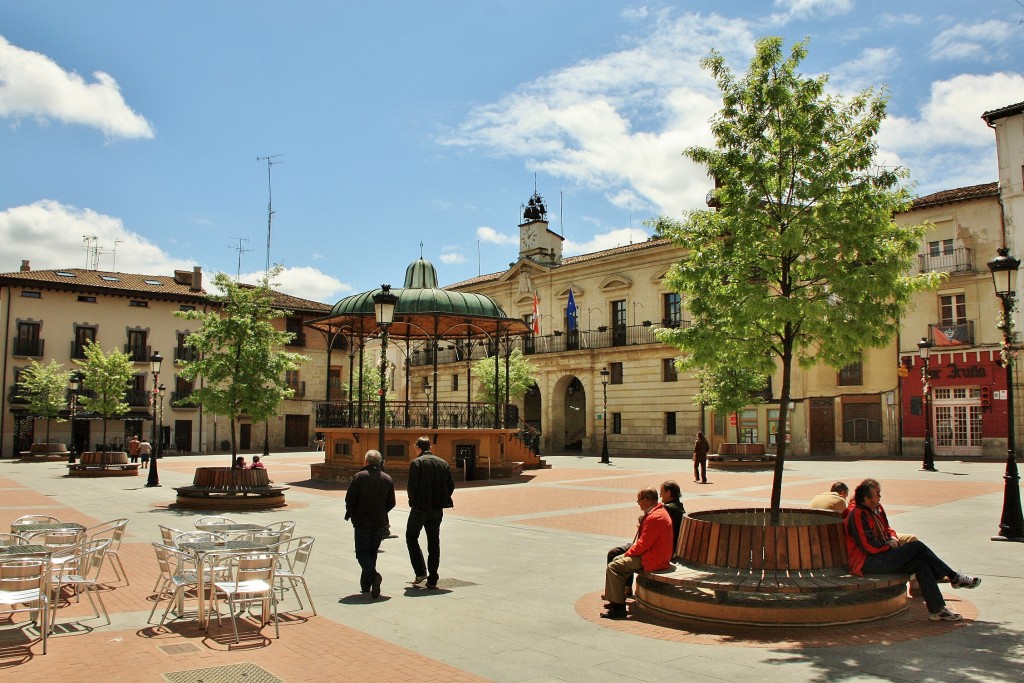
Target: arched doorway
532	405
574	412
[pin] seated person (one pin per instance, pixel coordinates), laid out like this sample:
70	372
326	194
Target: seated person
834	500
902	539
256	464
239	463
871	550
670	498
651	552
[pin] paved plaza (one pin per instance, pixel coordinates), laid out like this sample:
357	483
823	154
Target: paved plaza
521	578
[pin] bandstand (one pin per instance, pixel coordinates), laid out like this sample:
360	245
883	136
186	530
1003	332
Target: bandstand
424	315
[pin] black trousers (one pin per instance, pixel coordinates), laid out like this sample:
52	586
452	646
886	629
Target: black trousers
429	521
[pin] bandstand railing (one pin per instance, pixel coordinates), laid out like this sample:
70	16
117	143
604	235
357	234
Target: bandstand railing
450	415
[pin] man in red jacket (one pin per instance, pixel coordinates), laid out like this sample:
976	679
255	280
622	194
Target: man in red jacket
651	551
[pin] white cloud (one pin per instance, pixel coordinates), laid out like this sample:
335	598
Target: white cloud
304	282
608	240
619	123
807	9
450	257
980	41
50	235
870	68
33	85
492	236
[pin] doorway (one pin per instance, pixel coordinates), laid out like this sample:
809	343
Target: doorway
823	427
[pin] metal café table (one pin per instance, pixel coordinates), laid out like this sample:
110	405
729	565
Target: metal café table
227	528
33	551
211	550
34	527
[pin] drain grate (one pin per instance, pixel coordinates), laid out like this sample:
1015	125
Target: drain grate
454	583
248	672
182	649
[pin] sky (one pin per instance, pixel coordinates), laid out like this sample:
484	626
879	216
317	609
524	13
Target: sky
135	136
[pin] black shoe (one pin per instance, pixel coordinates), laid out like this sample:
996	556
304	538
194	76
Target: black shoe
432	586
615	611
375	588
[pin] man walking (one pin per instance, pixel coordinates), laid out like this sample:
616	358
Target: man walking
370	496
430	492
133	449
651	551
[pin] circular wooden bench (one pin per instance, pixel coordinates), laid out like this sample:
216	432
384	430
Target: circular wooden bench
45	452
741	455
222	488
735	566
103	464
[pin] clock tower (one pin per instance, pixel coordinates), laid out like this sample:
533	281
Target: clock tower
536	241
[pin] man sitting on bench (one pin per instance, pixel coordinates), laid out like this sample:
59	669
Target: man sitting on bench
834	500
871	550
651	552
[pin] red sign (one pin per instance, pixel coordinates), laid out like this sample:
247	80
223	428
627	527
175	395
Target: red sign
732	419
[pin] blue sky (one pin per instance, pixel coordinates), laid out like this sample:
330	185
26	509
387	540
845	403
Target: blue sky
400	122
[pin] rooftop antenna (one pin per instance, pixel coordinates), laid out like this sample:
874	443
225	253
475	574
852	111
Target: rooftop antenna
113	261
90	246
561	225
421	250
241	250
631	226
270	159
478	258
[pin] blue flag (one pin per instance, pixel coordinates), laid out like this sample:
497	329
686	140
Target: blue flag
570	311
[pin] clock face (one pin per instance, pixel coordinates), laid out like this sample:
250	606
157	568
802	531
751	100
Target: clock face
529	238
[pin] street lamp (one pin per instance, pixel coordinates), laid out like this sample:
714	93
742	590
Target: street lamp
154	365
924	347
384	303
73	383
159	446
604	415
1004	278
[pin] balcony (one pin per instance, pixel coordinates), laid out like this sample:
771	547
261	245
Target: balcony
299	388
450	414
28	347
15	396
178	396
137	353
137	398
959	260
185	354
952	334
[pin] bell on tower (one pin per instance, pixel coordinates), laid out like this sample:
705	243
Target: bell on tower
535	209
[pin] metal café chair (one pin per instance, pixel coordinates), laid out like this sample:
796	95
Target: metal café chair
26	582
294	557
114	532
81	575
177	576
285	529
215	520
252	580
56	539
36	519
7	540
198	537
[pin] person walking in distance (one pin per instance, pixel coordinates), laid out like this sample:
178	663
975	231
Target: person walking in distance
133	449
145	450
700	459
430	491
369	498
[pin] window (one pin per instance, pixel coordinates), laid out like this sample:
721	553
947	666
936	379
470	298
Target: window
773	426
334	379
136	347
618	318
616	423
455	382
952	309
291	378
748	427
851	376
293	325
670	423
719	425
110	278
83	337
186	307
87	299
64	273
138	304
28	343
155	283
31	294
672	310
940	248
862	422
616	373
668	370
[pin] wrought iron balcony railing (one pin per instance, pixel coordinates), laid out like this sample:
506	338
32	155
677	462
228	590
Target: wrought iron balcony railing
28	347
450	415
952	334
137	353
185	354
959	260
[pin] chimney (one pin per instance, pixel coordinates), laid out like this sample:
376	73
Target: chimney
25	267
197	279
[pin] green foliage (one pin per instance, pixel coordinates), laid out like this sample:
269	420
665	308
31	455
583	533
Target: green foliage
802	260
521	377
242	368
370	374
45	387
108	377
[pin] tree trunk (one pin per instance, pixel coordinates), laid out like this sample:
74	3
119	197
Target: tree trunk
234	444
780	450
47	431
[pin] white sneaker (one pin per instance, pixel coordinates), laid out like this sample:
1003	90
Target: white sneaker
945	614
964	581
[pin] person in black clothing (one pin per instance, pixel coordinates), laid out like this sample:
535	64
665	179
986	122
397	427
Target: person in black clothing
670	493
370	496
430	491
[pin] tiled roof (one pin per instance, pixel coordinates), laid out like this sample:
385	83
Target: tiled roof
1003	112
958	195
604	253
293	303
103	281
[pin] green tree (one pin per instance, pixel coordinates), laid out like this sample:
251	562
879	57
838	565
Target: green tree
240	360
802	261
521	377
370	375
45	387
108	377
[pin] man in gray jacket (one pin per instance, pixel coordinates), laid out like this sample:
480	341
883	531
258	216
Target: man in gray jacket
430	492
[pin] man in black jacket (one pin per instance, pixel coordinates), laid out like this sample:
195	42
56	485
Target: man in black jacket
430	492
370	497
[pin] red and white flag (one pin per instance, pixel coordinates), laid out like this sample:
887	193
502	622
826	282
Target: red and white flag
536	315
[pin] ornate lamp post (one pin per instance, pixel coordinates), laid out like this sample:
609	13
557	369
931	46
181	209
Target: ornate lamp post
384	303
1004	277
159	446
604	416
73	384
154	365
924	347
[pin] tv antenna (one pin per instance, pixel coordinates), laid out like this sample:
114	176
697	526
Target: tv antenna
241	250
271	160
113	261
91	251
